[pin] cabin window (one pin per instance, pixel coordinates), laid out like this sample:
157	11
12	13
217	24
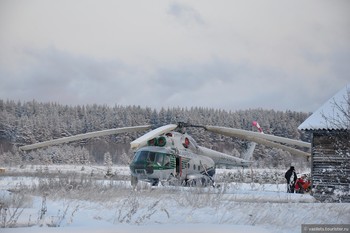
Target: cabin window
194	166
167	161
141	156
152	157
159	159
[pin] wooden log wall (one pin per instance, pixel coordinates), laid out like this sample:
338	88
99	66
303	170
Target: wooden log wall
331	166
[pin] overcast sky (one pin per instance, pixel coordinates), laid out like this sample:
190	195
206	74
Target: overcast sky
282	55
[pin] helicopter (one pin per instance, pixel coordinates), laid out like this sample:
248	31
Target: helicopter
169	155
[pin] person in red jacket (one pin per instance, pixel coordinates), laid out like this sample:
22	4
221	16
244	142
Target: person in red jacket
302	185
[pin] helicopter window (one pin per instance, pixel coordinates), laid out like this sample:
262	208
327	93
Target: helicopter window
166	160
141	156
144	156
159	159
151	156
194	166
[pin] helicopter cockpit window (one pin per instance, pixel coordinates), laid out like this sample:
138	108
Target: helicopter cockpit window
159	159
141	156
152	157
166	160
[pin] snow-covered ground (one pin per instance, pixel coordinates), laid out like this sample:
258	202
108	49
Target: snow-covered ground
79	199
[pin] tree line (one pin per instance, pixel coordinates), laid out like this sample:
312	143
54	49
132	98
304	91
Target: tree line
23	123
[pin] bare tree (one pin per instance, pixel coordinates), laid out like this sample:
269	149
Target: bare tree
338	117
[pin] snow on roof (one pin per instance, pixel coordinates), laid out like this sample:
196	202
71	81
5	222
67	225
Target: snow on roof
333	115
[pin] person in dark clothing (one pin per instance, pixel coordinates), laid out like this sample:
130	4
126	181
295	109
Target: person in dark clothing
291	177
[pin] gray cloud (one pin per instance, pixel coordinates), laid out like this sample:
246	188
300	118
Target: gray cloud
225	55
58	76
185	14
62	77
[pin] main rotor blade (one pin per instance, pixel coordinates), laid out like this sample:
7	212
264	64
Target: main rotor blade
239	132
85	136
141	141
261	139
280	146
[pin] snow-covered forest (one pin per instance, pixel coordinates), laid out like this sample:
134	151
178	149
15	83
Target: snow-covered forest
23	123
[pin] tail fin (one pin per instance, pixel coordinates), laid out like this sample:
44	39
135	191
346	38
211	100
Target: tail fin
248	153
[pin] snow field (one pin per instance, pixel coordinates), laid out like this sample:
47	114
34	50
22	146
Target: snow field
55	204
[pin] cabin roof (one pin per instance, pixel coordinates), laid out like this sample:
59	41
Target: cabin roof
332	115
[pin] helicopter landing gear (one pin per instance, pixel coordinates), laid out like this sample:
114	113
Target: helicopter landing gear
134	181
155	182
170	181
199	182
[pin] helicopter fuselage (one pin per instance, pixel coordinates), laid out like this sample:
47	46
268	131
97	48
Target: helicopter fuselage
173	157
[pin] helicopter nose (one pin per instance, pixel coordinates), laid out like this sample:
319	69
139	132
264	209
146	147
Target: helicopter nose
149	170
141	169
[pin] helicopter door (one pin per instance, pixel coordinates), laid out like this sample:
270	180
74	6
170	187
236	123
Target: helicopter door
178	166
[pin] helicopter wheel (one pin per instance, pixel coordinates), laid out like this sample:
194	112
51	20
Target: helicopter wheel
192	183
134	181
208	182
155	182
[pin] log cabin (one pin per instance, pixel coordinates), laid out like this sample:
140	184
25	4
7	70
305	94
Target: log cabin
330	154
